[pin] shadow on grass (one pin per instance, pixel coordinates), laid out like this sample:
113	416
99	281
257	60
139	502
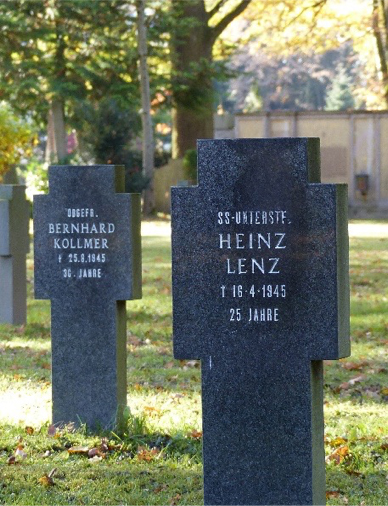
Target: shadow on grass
122	482
346	486
142	468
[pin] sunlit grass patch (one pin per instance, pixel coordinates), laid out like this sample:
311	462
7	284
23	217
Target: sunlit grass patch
24	401
157	458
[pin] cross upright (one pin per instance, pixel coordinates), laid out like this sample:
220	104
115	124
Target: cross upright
87	256
14	246
260	296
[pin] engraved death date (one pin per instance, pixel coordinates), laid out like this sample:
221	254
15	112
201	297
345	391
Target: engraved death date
252	246
81	243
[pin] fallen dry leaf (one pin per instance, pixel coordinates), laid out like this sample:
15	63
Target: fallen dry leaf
195	434
29	430
354	366
93	452
334	456
332	493
338	441
160	488
134	340
175	499
191	363
339	454
104	447
52	430
151	410
146	454
357	379
347	384
78	450
20	452
46	481
350	472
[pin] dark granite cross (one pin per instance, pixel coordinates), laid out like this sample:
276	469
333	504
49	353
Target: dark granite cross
88	262
260	294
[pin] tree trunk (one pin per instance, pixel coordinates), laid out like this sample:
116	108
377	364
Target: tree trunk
148	137
191	53
56	147
380	32
191	47
188	127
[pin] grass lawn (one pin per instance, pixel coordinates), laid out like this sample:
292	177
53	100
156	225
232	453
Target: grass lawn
158	458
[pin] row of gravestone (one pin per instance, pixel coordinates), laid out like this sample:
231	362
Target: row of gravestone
260	296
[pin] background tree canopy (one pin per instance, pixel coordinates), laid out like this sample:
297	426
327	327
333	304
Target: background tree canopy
67	64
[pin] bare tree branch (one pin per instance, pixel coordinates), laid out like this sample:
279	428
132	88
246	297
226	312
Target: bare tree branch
228	18
216	8
148	136
317	5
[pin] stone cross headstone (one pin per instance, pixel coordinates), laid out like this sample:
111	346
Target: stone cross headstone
260	295
88	262
14	246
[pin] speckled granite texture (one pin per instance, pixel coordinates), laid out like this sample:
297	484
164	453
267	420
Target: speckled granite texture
88	262
260	295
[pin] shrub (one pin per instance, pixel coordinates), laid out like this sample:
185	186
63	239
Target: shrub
16	139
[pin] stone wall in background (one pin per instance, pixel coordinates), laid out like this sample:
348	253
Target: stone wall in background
353	148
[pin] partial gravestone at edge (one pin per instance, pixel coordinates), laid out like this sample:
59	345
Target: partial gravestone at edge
88	263
261	296
14	246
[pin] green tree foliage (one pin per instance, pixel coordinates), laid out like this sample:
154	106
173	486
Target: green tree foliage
295	82
340	97
16	139
110	134
253	101
65	53
282	28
